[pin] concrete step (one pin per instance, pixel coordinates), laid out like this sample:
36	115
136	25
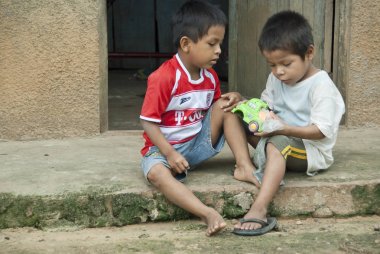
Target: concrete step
97	181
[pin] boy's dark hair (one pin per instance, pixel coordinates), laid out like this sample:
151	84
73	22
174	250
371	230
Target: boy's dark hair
194	19
286	30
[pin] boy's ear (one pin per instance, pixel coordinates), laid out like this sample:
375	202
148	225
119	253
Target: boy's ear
310	52
184	44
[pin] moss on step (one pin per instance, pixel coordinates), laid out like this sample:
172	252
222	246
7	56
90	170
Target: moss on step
367	199
101	208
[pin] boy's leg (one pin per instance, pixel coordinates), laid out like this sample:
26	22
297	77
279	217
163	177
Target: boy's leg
274	173
180	195
283	153
237	140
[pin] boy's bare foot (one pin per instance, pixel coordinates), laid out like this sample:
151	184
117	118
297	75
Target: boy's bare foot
245	175
214	222
261	215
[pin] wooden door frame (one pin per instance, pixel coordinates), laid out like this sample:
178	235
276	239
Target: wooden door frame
232	46
341	51
337	13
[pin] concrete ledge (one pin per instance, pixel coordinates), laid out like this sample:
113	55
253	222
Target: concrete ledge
97	182
97	209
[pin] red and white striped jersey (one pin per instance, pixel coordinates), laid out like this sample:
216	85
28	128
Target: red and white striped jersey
178	103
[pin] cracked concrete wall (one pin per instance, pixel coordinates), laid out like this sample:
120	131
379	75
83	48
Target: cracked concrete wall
363	86
53	68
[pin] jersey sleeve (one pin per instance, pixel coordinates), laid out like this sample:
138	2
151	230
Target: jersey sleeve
157	96
217	92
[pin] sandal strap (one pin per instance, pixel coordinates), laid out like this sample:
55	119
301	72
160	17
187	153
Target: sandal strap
261	222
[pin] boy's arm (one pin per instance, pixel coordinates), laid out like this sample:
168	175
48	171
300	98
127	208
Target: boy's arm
311	132
177	162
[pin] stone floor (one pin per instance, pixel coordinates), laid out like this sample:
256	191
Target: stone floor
125	97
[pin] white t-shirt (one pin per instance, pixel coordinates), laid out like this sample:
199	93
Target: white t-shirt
315	100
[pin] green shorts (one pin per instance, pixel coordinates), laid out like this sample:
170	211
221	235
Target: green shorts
293	150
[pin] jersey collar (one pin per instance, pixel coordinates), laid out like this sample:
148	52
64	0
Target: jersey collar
201	71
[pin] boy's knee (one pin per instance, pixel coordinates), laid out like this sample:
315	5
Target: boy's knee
271	149
218	108
218	113
218	104
157	174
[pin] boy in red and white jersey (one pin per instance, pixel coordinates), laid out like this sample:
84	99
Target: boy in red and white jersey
177	102
185	117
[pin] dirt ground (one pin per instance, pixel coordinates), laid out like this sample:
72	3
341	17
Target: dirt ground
346	235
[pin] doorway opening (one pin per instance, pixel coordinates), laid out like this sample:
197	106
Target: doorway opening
139	41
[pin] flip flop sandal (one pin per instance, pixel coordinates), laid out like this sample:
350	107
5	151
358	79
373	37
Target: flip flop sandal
265	227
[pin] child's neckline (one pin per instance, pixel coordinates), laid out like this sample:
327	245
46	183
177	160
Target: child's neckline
192	81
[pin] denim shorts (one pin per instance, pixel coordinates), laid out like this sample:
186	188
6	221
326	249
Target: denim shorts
195	150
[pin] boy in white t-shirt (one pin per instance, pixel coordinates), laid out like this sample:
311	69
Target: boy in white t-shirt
307	102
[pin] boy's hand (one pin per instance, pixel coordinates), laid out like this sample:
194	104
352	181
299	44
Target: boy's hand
231	100
177	162
273	116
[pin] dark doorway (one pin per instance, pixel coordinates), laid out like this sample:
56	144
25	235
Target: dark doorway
139	40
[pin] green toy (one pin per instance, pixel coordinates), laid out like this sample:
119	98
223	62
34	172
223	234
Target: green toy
253	113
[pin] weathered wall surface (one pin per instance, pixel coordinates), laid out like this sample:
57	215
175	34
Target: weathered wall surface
363	87
53	68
